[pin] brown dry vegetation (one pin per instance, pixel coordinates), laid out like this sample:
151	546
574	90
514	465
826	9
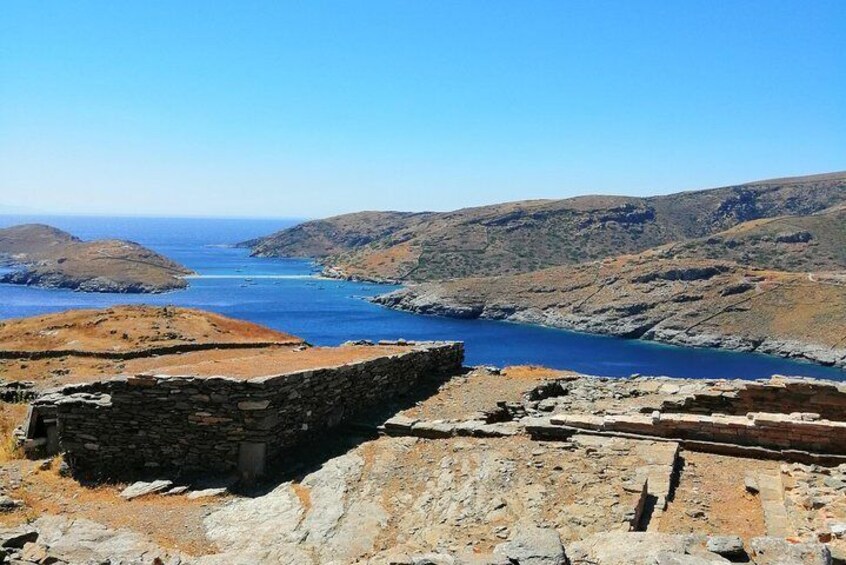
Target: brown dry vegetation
257	362
131	328
715	484
174	522
477	392
11	416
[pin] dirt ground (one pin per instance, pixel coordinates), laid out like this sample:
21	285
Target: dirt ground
172	522
711	497
479	391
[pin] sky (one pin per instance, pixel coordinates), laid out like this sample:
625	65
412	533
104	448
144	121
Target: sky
312	108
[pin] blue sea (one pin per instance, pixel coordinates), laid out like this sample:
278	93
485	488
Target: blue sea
287	294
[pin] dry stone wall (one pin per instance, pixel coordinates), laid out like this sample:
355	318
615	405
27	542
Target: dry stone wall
798	431
118	427
778	395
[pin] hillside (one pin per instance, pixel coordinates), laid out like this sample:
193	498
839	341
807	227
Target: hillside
698	302
48	257
816	242
525	236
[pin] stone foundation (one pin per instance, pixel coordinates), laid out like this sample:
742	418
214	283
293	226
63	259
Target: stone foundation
118	427
776	395
799	431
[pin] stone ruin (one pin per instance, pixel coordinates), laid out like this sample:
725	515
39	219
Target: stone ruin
127	425
794	419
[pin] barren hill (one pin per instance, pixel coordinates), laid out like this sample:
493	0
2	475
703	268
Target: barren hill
524	236
53	258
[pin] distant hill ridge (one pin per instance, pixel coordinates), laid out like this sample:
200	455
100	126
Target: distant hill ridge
518	237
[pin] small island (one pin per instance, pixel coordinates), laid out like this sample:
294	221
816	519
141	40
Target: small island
48	257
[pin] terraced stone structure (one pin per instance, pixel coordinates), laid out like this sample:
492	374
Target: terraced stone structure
184	423
130	388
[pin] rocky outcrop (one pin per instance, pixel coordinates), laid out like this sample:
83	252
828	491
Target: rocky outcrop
59	540
51	279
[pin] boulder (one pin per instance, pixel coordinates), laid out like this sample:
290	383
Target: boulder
778	551
627	548
15	538
670	558
142	488
533	546
206	493
433	559
8	504
176	491
36	553
727	546
83	541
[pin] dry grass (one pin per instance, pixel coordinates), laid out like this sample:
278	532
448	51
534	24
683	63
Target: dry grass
718	482
131	328
11	416
173	522
532	372
304	494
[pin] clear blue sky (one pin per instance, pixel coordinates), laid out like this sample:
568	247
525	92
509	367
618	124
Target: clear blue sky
313	108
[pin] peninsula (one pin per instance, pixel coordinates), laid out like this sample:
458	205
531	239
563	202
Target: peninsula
44	256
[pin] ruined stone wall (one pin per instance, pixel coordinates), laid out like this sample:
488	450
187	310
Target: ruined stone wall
799	432
779	395
119	427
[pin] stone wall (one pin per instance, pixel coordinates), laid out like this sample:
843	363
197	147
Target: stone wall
777	395
116	428
799	432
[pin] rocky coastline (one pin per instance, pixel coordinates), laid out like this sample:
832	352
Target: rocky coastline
617	322
55	280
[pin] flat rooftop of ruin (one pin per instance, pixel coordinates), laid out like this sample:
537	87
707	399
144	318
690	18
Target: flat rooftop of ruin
82	346
264	362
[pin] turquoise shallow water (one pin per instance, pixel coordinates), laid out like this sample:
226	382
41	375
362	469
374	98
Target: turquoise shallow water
286	294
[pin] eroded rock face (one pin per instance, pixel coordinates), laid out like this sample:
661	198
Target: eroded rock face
642	548
445	496
313	523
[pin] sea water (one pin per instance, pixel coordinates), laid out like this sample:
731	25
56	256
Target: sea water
289	295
